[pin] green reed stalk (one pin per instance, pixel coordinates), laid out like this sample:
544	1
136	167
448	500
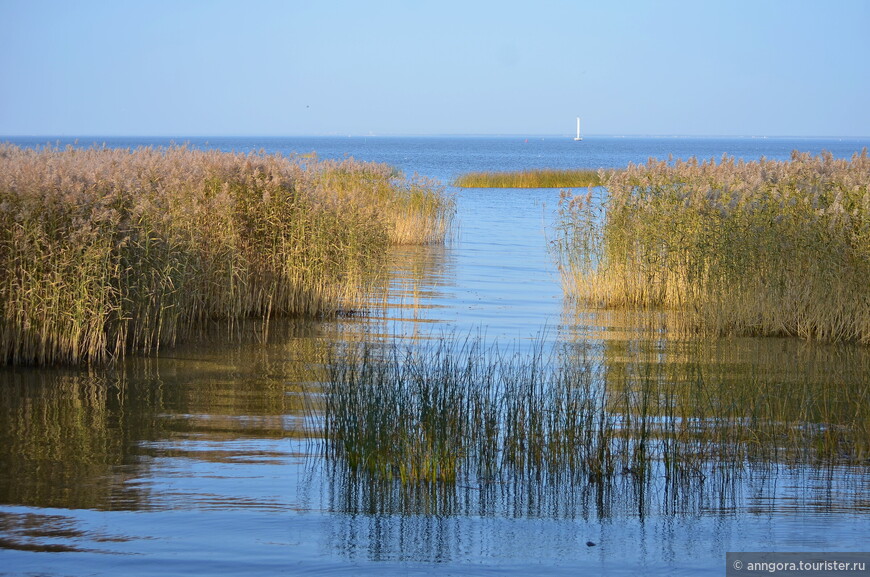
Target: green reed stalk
448	412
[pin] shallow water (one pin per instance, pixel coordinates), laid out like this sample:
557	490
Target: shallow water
203	460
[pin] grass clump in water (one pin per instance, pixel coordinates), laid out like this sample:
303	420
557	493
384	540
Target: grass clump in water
445	412
747	248
543	178
107	250
450	412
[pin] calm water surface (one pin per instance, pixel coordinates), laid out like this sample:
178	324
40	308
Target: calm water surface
202	461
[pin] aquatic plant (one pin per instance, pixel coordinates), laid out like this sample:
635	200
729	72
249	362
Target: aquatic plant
415	210
747	248
449	411
542	178
435	413
103	250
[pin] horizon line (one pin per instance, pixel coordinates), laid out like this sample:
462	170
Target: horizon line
434	135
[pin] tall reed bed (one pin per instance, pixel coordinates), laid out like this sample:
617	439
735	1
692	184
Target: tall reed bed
450	411
106	250
415	210
543	178
752	248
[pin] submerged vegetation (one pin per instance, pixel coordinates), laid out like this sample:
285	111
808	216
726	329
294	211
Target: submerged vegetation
451	411
103	251
544	178
745	248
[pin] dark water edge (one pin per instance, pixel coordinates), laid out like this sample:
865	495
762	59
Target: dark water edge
202	460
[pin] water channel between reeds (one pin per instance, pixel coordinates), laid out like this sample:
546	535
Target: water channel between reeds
214	457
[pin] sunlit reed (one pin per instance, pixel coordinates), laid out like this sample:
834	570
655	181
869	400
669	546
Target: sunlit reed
103	250
748	248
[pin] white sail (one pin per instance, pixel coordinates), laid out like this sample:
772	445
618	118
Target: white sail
578	130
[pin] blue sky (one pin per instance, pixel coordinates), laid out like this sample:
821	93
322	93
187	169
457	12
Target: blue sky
323	67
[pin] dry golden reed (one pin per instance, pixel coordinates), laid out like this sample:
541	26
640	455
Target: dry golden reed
108	250
749	248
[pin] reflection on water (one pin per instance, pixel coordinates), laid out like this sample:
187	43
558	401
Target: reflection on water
202	459
66	438
408	299
632	527
42	533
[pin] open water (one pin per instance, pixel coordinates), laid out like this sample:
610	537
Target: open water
200	461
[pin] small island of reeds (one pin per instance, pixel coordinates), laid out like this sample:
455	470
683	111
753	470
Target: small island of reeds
738	248
543	178
105	250
451	411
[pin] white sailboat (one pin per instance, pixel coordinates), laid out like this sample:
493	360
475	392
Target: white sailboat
578	130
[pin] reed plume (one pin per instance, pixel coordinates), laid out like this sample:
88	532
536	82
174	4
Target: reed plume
108	250
748	248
